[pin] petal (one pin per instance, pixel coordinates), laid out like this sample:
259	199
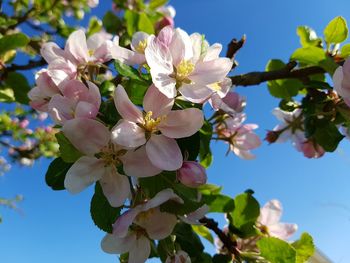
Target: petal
94	95
85	110
61	109
115	245
160	198
164	83
196	93
282	230
77	47
83	173
121	226
45	83
80	131
166	35
213	52
180	46
141	250
164	153
270	213
197	41
164	227
182	123
51	51
194	217
158	56
126	56
74	89
208	72
125	107
136	163
128	134
98	39
115	187
157	102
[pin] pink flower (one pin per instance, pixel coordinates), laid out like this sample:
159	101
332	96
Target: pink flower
179	62
269	221
311	149
231	103
92	138
135	240
156	128
192	174
341	81
240	137
180	257
76	101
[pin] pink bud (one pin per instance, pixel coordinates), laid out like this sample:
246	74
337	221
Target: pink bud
166	21
312	150
23	124
192	174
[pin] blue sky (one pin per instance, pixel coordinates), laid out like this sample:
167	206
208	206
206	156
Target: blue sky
56	226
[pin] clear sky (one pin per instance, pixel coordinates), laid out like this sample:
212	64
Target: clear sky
56	226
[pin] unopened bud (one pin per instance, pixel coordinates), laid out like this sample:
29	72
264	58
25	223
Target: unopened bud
272	136
192	174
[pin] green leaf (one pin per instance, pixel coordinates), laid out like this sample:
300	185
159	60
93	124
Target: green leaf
103	215
205	155
56	174
131	19
219	203
154	4
208	189
13	41
246	211
19	84
188	240
308	36
305	248
68	152
276	250
108	113
336	31
154	184
127	71
309	55
327	135
345	51
136	90
282	88
95	26
203	232
111	22
145	24
190	146
7	95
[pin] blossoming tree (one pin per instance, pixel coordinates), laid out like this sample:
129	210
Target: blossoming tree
136	101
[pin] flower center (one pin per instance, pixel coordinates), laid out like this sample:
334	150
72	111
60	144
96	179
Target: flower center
184	69
144	216
110	155
91	52
264	229
151	124
141	46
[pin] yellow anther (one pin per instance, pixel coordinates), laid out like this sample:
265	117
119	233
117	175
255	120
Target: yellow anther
91	52
151	124
140	48
143	216
184	69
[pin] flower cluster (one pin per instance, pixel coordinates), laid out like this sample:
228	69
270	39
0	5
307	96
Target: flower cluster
184	73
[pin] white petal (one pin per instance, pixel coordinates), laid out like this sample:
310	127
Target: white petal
141	250
115	245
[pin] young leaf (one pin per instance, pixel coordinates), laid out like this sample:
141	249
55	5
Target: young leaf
276	250
13	41
154	4
131	18
336	31
103	215
111	22
145	24
205	134
127	71
68	152
56	174
308	36
246	210
219	203
203	232
345	51
305	248
19	84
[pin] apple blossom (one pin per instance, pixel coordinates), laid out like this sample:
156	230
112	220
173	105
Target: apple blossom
181	64
134	228
156	128
269	221
192	174
180	257
311	149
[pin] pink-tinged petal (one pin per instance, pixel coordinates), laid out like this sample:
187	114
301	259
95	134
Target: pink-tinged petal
166	35
83	173
128	134
94	95
248	141
180	46
58	76
140	251
164	153
182	123
97	40
164	83
127	56
77	47
270	213
121	226
112	244
103	53
160	198
76	90
282	230
157	102
197	42
115	187
194	217
45	83
244	154
61	109
51	51
136	163
125	107
85	110
213	52
196	93
80	131
164	226
208	72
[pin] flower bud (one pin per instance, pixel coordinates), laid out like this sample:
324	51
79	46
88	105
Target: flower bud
192	174
180	257
311	149
272	136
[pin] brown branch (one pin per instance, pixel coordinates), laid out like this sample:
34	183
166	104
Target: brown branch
233	48
255	78
225	239
30	65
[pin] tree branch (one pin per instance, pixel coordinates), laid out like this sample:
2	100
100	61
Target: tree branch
255	78
225	239
30	65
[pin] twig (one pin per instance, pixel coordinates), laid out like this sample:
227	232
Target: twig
30	65
233	48
225	239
